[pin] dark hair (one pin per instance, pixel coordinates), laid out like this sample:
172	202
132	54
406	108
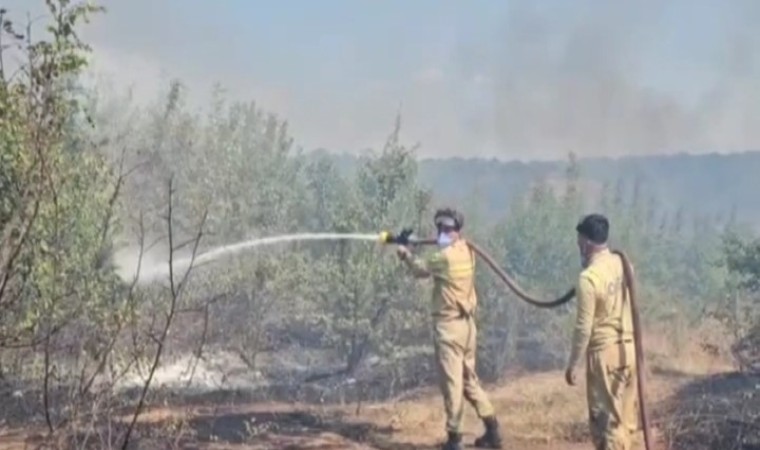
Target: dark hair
452	214
595	228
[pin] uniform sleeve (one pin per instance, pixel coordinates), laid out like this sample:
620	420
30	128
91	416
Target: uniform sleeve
431	265
584	319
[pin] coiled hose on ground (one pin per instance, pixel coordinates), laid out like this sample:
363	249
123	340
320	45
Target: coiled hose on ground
630	284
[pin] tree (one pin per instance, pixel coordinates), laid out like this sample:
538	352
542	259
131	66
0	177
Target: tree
64	309
367	302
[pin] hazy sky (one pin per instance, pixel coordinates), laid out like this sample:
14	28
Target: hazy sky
511	79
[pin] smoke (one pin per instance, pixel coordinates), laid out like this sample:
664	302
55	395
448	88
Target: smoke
596	82
517	80
152	263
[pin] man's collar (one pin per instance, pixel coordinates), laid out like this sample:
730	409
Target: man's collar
598	253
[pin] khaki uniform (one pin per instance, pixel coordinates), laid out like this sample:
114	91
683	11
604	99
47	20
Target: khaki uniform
455	333
604	331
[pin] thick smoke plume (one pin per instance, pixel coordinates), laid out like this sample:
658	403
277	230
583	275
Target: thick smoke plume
595	82
526	80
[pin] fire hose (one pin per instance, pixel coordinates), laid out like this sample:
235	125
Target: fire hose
406	238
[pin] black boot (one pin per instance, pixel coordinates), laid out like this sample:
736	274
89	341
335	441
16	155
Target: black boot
492	436
454	442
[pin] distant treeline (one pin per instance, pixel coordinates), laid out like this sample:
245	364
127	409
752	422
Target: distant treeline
709	186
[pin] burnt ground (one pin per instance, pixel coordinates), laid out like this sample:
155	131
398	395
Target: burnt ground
692	408
537	411
715	412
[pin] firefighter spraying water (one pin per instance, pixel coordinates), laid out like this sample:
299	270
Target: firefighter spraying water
607	328
454	302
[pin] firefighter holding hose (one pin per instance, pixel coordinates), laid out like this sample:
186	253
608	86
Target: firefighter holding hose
452	269
603	334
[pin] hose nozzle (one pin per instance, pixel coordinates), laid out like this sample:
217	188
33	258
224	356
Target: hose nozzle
384	237
403	238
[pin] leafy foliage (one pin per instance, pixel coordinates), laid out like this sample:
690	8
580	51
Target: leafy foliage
56	211
67	203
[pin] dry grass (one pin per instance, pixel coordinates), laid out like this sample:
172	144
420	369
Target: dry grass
533	409
537	408
680	350
536	411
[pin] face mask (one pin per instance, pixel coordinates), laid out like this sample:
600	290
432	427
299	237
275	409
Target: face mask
444	240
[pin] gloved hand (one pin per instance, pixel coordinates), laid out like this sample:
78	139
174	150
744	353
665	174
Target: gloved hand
403	237
403	252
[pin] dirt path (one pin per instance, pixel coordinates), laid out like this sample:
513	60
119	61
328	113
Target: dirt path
537	412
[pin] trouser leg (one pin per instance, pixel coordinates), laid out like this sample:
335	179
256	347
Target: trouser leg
611	392
473	390
449	353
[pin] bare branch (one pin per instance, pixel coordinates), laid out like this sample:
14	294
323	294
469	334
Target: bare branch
85	388
176	291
